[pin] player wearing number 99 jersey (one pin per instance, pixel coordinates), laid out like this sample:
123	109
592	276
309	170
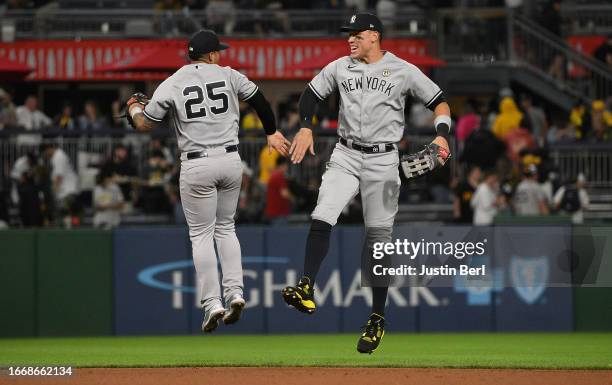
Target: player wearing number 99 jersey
201	103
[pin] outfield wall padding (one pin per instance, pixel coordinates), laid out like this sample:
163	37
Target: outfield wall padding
593	305
74	277
17	283
137	281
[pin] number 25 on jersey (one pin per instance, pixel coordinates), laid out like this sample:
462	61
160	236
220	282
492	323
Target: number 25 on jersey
217	100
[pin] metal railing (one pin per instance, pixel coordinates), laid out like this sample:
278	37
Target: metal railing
550	56
595	161
54	23
491	35
90	151
586	19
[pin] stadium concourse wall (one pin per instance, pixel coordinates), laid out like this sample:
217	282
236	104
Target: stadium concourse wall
140	281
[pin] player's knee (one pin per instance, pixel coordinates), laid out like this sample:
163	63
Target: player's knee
222	229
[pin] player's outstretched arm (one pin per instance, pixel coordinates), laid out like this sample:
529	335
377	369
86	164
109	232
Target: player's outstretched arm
442	122
435	154
303	140
135	115
276	140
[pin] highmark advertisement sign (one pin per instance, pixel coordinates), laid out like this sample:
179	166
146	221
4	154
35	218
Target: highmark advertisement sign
155	290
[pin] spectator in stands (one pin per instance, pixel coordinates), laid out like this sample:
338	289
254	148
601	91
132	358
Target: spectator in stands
8	114
221	16
468	122
157	174
158	144
487	201
64	184
251	124
549	186
31	119
603	53
482	149
290	124
65	121
267	163
107	201
573	199
91	119
536	119
529	197
121	167
556	67
252	201
580	120
509	118
166	21
23	166
188	23
279	198
174	195
601	123
561	132
463	193
26	190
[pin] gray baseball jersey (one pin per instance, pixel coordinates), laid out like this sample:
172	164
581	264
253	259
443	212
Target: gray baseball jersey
202	103
202	100
373	96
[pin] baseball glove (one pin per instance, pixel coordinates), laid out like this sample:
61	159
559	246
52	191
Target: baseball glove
424	161
136	99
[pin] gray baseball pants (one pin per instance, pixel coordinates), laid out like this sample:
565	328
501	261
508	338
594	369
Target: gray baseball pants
350	171
210	188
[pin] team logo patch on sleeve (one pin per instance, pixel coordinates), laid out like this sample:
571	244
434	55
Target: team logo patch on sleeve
386	72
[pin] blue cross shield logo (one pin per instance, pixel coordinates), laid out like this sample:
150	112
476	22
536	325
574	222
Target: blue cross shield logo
529	276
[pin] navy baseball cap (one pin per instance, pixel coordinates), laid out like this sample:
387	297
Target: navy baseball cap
363	22
204	41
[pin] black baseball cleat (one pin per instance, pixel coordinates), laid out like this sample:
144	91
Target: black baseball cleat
301	296
372	335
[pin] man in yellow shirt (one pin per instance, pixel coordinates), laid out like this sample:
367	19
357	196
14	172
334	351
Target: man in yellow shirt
267	164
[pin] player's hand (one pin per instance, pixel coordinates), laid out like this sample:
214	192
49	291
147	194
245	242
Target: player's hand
442	142
278	142
301	142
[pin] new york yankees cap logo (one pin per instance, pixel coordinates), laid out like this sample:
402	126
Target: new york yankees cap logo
363	22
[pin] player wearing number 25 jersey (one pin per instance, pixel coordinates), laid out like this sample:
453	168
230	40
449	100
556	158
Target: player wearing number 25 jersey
200	101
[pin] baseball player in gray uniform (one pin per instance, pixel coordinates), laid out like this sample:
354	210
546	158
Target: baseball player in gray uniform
373	86
201	103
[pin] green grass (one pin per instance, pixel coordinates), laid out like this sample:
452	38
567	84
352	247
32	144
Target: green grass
496	350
